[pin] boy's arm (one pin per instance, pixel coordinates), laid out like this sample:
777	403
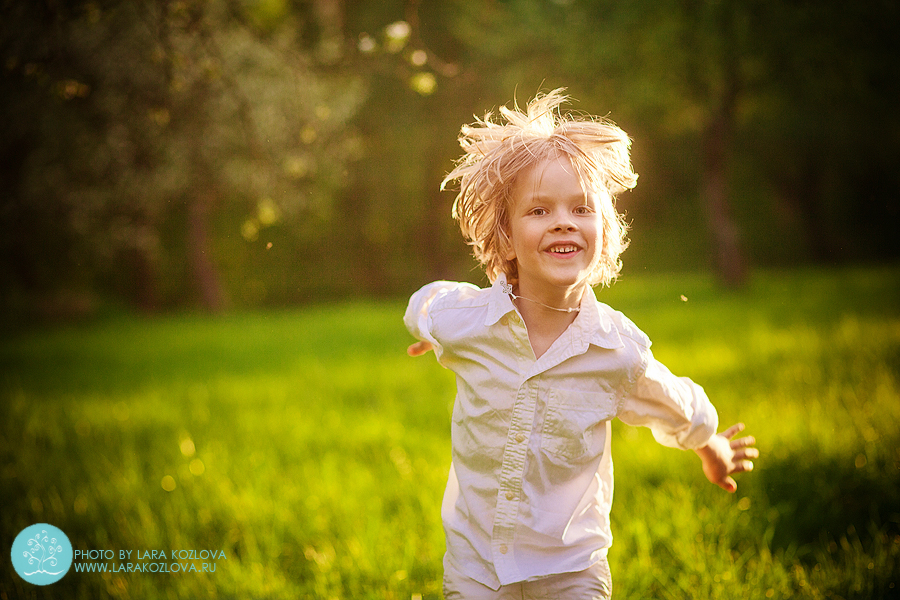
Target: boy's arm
675	409
722	457
417	319
418	314
680	415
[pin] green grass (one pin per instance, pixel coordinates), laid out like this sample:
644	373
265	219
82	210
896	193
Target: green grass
310	449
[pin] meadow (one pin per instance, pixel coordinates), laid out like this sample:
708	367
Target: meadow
306	447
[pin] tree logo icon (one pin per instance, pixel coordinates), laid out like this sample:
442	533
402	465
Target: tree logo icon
41	554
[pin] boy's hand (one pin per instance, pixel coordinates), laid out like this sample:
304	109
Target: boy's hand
722	457
419	348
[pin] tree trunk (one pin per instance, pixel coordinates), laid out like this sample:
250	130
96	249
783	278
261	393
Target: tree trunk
203	269
143	284
729	259
804	193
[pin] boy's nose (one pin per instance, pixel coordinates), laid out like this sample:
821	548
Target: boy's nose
564	222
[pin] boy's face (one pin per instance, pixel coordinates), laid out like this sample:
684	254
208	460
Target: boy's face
554	228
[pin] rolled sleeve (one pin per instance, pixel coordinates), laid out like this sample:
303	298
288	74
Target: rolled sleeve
676	409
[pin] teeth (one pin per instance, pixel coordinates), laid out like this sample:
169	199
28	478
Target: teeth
563	249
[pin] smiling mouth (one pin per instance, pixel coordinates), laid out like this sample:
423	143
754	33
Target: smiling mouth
563	250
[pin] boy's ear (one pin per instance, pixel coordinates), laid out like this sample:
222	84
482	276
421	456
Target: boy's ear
506	240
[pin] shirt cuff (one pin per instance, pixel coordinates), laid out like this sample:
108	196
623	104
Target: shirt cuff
704	421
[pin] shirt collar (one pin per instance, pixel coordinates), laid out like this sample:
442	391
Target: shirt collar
499	302
592	325
595	324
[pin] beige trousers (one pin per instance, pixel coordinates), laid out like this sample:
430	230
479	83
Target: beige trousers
594	583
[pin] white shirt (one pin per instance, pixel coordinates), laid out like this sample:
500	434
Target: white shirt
531	479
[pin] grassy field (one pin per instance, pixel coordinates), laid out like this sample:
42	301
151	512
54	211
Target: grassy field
311	451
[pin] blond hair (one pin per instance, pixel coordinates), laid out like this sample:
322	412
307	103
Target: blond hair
496	153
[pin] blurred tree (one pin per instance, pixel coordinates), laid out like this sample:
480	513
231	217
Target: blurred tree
140	112
277	151
727	87
824	132
679	65
684	65
418	99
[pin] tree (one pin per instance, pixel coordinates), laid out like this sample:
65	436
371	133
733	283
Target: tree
154	111
688	66
767	113
684	64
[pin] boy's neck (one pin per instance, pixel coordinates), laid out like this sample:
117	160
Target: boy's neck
545	324
551	299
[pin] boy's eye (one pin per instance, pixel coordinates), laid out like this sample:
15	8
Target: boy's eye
583	210
539	212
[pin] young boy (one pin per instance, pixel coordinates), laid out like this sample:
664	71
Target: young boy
541	366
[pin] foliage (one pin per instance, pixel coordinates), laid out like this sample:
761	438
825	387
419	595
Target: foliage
748	96
269	153
310	449
155	116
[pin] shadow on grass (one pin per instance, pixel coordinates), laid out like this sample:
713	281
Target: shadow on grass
823	498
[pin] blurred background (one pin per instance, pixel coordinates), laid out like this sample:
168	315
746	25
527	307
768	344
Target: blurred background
237	154
188	158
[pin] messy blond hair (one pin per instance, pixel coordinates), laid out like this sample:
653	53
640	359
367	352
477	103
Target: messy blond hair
496	153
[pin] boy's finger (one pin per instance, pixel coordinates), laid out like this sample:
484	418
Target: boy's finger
748	454
744	442
743	466
751	453
419	348
732	431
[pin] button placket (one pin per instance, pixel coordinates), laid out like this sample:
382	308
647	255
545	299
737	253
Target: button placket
512	472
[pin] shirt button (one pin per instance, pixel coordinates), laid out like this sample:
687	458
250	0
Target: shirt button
504	549
510	496
520	437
